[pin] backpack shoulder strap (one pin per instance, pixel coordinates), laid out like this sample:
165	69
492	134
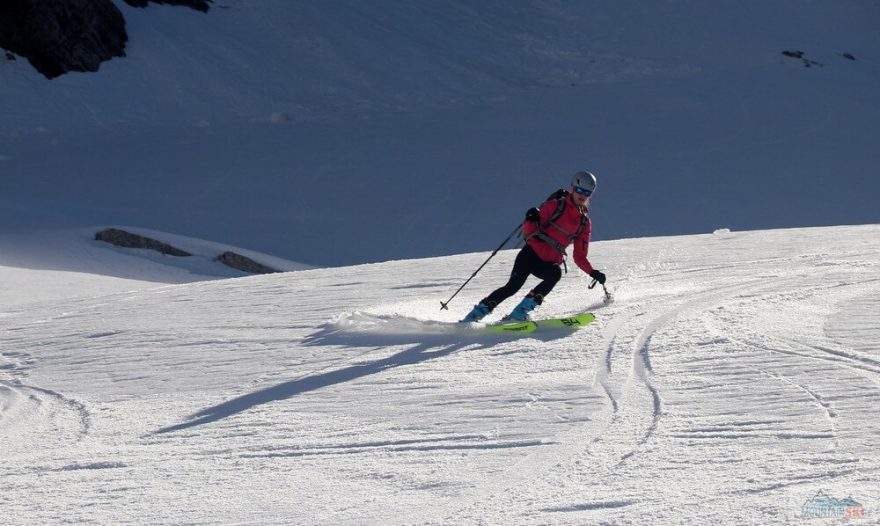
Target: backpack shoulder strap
557	194
560	197
582	227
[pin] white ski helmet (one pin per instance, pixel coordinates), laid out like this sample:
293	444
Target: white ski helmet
585	181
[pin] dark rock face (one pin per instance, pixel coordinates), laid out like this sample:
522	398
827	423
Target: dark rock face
198	5
121	238
808	63
58	36
244	264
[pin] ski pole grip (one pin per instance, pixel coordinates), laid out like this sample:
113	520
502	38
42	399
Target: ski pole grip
593	284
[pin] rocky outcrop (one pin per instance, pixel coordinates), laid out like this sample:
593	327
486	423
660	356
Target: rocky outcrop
57	36
800	55
121	238
244	264
198	5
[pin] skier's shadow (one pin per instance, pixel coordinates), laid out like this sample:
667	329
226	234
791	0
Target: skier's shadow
428	347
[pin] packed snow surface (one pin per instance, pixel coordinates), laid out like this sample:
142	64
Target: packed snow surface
736	376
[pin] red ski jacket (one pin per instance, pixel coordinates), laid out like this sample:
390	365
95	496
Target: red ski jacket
560	231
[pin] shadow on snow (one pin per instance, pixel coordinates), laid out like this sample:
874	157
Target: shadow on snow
427	347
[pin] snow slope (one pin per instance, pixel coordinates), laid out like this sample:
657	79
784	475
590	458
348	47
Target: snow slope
735	376
48	265
346	132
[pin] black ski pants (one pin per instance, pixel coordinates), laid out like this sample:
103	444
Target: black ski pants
527	263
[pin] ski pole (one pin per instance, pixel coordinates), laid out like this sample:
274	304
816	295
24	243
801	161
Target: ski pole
608	298
444	305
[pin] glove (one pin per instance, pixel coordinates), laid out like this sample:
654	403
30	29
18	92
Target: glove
533	215
598	276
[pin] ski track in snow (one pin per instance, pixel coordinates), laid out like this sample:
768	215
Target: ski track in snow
33	418
732	377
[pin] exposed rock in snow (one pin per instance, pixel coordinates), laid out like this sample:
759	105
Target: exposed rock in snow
121	238
60	36
199	5
244	264
808	63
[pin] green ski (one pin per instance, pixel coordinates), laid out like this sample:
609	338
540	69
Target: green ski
518	327
527	327
570	322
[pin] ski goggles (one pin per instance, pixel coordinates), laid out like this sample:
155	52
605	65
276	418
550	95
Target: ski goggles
583	191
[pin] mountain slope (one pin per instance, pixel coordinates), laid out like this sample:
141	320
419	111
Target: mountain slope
356	132
734	377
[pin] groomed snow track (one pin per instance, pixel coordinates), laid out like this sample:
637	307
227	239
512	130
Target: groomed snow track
734	377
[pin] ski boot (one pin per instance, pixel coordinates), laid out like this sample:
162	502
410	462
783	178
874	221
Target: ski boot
480	311
521	311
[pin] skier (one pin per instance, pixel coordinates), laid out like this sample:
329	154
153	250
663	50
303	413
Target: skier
562	219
